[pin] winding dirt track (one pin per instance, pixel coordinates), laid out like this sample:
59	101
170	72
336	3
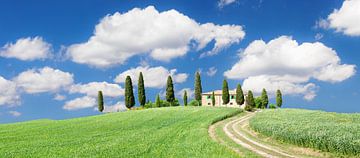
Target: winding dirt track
239	136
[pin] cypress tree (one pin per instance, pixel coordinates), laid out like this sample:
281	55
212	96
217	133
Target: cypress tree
185	98
100	101
198	88
141	90
225	93
264	99
129	94
157	101
170	96
250	100
278	98
213	99
239	95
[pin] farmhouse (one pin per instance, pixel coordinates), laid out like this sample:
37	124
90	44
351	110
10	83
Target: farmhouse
206	99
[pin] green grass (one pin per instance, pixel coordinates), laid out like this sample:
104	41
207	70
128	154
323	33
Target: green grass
159	132
330	132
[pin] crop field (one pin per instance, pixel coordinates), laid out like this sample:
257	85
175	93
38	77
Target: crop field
332	132
158	132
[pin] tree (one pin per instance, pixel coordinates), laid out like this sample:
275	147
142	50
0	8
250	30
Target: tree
250	100
129	94
264	99
100	101
239	95
185	98
170	96
141	90
258	102
213	99
225	93
198	88
278	98
157	101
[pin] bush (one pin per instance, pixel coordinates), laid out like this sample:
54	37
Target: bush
194	103
272	106
149	104
258	102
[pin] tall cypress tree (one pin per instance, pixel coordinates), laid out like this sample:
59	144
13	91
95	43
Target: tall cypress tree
225	93
170	96
250	100
239	95
129	94
278	98
198	88
157	101
213	98
264	99
100	101
141	90
185	98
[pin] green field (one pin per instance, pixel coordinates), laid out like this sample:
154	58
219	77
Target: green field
331	132
158	132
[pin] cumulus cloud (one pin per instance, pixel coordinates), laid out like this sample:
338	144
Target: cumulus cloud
91	89
222	3
8	93
80	103
59	97
154	77
15	113
43	80
211	72
119	106
285	64
162	35
189	91
27	49
345	20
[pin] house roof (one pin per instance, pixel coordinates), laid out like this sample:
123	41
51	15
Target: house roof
219	92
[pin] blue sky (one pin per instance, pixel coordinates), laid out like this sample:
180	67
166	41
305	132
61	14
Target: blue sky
52	49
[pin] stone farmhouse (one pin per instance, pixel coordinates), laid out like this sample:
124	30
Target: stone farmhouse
206	99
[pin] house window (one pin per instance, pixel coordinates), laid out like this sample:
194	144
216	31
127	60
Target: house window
232	96
208	103
208	97
231	103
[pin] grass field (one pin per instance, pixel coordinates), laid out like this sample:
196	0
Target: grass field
159	132
331	132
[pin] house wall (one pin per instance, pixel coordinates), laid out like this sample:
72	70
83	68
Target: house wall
206	101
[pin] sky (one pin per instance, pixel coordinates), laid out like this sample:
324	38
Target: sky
56	55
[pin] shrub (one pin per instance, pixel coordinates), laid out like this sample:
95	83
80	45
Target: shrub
149	104
194	103
272	106
258	102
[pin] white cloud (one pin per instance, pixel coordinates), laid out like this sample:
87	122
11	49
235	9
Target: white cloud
43	80
163	35
212	71
319	36
8	93
119	106
283	63
189	91
346	19
223	3
15	113
91	89
154	77
27	49
80	103
59	97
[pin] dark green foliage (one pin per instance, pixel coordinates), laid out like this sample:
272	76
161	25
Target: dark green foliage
141	90
198	88
272	106
239	95
149	104
250	100
194	103
100	101
129	94
213	99
264	98
170	96
278	98
225	93
185	98
258	102
157	101
175	103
